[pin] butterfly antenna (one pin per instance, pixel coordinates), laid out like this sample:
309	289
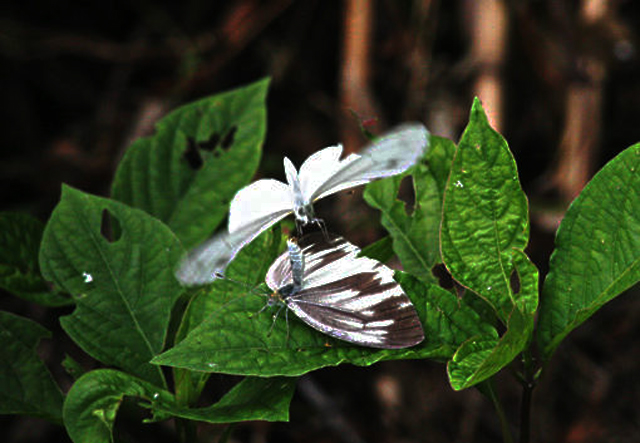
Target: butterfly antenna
245	285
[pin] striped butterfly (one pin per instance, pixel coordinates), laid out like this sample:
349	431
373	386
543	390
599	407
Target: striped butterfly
263	203
324	282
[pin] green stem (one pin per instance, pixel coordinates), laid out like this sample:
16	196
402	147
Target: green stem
528	384
504	423
186	429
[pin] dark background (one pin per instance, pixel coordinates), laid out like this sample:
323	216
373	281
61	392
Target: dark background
560	80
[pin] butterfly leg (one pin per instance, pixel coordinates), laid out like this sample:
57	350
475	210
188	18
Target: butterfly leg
275	317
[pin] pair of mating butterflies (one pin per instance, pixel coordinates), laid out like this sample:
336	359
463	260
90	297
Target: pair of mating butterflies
321	278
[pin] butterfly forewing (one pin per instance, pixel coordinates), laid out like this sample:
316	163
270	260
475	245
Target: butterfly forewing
348	297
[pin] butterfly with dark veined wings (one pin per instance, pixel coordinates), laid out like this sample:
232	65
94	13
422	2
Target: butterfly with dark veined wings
265	202
324	282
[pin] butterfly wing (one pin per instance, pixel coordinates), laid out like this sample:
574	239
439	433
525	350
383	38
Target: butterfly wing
259	205
348	297
203	264
319	167
391	154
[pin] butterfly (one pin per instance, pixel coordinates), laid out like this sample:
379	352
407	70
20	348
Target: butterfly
324	282
263	203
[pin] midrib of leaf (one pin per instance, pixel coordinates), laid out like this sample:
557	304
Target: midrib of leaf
497	246
120	292
604	293
403	236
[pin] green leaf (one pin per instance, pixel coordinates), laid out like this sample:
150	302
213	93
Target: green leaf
92	403
448	320
254	398
26	385
124	290
439	158
415	236
163	174
381	250
20	236
597	253
485	216
237	338
481	357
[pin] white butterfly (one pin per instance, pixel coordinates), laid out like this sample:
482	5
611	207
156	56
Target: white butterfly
324	282
263	203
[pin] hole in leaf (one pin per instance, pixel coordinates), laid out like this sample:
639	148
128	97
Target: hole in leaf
211	144
406	193
446	280
514	281
229	138
110	227
440	272
192	155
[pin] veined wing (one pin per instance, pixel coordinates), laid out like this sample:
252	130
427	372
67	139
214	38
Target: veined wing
392	154
265	200
348	297
206	262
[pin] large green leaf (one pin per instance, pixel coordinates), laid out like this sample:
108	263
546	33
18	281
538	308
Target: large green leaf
485	216
202	153
239	339
124	290
597	253
485	228
20	236
254	398
26	385
92	403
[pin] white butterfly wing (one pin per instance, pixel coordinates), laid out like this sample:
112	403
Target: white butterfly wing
318	167
203	264
265	201
348	297
392	154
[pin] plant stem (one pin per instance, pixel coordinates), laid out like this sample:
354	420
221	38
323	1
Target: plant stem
186	430
504	423
528	384
226	434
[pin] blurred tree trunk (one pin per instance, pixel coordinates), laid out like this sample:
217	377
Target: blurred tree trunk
488	24
583	109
